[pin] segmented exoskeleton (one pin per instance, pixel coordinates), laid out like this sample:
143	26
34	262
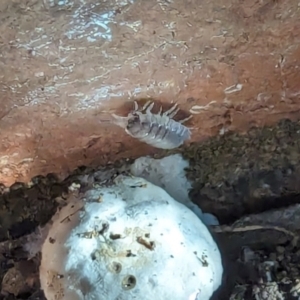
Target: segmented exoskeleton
158	130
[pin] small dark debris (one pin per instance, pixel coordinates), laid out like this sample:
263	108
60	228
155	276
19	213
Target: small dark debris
105	227
130	254
148	244
113	236
51	240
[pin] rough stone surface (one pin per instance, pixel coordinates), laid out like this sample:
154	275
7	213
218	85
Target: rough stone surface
67	65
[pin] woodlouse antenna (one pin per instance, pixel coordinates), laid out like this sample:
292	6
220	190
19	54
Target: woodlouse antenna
120	121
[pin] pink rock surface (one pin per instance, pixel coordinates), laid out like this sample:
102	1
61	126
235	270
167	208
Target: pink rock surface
68	65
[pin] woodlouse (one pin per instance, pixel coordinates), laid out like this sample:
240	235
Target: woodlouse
158	130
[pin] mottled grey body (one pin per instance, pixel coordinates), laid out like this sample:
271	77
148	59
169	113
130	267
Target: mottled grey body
158	130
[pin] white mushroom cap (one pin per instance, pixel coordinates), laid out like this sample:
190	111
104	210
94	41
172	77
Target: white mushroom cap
169	173
129	241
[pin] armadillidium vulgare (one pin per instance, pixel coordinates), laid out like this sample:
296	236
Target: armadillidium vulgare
158	130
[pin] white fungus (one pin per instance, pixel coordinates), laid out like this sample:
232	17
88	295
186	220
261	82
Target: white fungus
169	174
129	240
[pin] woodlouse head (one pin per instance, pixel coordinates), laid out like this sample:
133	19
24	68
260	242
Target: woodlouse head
136	127
134	123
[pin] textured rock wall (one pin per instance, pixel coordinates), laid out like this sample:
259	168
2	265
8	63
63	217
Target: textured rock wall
65	66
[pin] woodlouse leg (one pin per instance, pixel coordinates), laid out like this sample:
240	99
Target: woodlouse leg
186	119
174	113
148	110
168	112
160	111
147	105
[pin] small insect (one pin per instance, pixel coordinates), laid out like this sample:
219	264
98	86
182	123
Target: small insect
158	130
